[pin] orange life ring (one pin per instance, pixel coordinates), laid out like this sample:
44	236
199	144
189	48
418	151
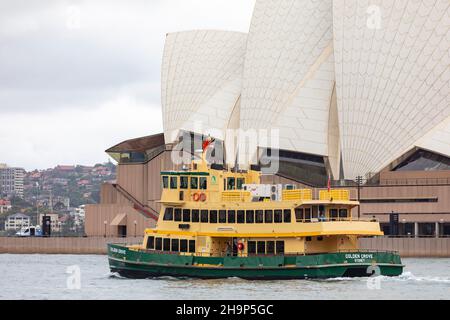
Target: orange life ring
240	246
196	196
202	197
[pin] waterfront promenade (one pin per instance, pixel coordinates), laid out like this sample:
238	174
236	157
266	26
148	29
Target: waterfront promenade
407	247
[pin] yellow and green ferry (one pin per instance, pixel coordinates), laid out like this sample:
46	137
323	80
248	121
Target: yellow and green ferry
217	223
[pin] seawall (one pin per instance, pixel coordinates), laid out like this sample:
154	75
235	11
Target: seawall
407	247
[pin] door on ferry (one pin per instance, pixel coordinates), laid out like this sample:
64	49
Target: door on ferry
235	247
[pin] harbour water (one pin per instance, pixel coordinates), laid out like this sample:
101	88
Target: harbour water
41	276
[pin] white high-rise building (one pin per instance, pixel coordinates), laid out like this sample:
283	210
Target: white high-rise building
11	181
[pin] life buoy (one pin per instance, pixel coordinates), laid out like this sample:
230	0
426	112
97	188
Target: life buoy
196	196
240	246
202	197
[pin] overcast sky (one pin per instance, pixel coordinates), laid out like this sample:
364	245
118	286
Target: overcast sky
77	77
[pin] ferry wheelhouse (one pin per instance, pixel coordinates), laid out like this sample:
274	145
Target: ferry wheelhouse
217	223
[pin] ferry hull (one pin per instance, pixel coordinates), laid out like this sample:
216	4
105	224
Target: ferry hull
140	264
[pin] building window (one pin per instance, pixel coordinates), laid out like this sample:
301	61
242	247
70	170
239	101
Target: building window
175	245
240	216
278	216
203	183
259	216
165	182
287	215
194	183
239	183
151	243
270	247
268	216
158	244
166	244
195	215
177	214
231	183
222	216
184	182
204	216
186	215
173	182
231	216
250	216
261	247
183	245
251	247
213	216
192	246
168	214
280	247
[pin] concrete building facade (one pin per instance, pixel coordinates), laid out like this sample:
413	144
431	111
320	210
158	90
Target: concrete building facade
11	181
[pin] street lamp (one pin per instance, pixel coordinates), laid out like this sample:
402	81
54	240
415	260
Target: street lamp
135	223
105	223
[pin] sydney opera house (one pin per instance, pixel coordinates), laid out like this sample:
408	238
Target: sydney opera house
352	90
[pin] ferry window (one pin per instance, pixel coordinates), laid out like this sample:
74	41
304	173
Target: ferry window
261	247
250	216
222	216
239	183
307	214
231	216
268	216
315	212
184	182
183	245
195	215
203	183
186	215
342	213
191	245
308	239
166	244
259	216
175	245
299	215
177	214
204	216
213	216
251	249
270	247
194	183
168	214
165	182
278	216
158	244
151	243
287	215
240	216
280	247
231	183
333	214
173	182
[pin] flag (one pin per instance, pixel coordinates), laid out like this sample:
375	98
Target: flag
206	143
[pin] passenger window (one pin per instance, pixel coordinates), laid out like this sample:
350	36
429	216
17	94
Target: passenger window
177	214
280	247
270	247
213	216
173	182
183	245
261	247
278	216
222	216
151	243
158	244
204	216
194	183
195	215
166	244
239	183
168	214
231	216
203	183
259	216
186	215
308	214
165	182
240	216
231	183
250	216
333	214
251	249
184	182
175	245
268	216
299	215
192	246
343	213
287	215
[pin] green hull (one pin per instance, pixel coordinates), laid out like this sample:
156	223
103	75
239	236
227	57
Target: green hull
144	264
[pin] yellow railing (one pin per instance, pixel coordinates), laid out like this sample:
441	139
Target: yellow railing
235	196
298	194
336	194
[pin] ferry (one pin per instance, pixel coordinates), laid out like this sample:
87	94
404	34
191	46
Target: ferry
218	223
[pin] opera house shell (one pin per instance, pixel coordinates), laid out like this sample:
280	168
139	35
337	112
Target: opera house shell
351	85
